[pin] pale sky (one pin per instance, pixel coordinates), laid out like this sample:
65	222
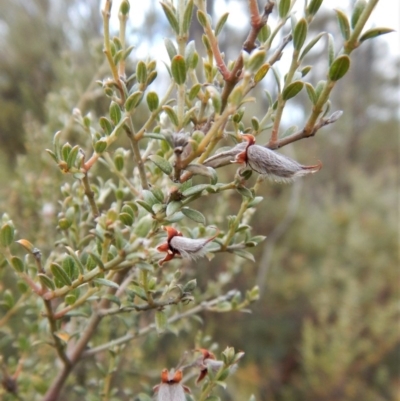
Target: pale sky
386	13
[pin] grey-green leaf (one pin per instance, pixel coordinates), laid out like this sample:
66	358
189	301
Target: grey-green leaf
374	32
339	67
220	24
284	6
171	17
344	24
164	165
60	274
194	215
300	34
292	90
107	283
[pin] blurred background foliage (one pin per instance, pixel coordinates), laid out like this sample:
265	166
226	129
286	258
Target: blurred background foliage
326	326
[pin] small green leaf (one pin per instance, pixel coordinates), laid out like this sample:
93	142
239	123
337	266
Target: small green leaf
331	49
161	163
189	54
52	154
46	281
292	90
202	18
187	17
194	215
375	32
314	6
97	260
57	145
152	101
339	67
68	265
78	262
133	100
261	73
311	44
100	146
145	205
119	161
319	88
17	264
244	254
255	123
178	69
300	34
115	113
256	60
190	286
107	283
60	274
220	24
284	7
264	33
255	201
194	91
141	72
311	93
72	156
171	49
195	190
173	207
152	76
344	24
161	321
171	114
106	125
7	234
126	219
124	7
245	192
305	70
357	11
171	17
65	150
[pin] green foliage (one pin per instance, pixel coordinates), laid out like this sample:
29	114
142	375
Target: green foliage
132	230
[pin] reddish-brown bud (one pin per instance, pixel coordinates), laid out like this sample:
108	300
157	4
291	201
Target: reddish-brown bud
170	388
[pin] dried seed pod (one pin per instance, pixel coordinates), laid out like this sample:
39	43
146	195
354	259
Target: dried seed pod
177	244
170	388
272	164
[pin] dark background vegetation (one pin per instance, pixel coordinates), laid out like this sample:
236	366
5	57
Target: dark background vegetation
326	326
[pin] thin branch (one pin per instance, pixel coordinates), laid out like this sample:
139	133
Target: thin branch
90	195
257	22
130	336
76	354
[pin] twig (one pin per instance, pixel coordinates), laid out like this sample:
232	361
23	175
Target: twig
130	336
90	195
76	354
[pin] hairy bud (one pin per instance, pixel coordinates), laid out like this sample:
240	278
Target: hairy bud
177	244
272	164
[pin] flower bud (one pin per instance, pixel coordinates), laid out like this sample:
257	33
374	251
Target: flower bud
177	244
272	164
170	388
